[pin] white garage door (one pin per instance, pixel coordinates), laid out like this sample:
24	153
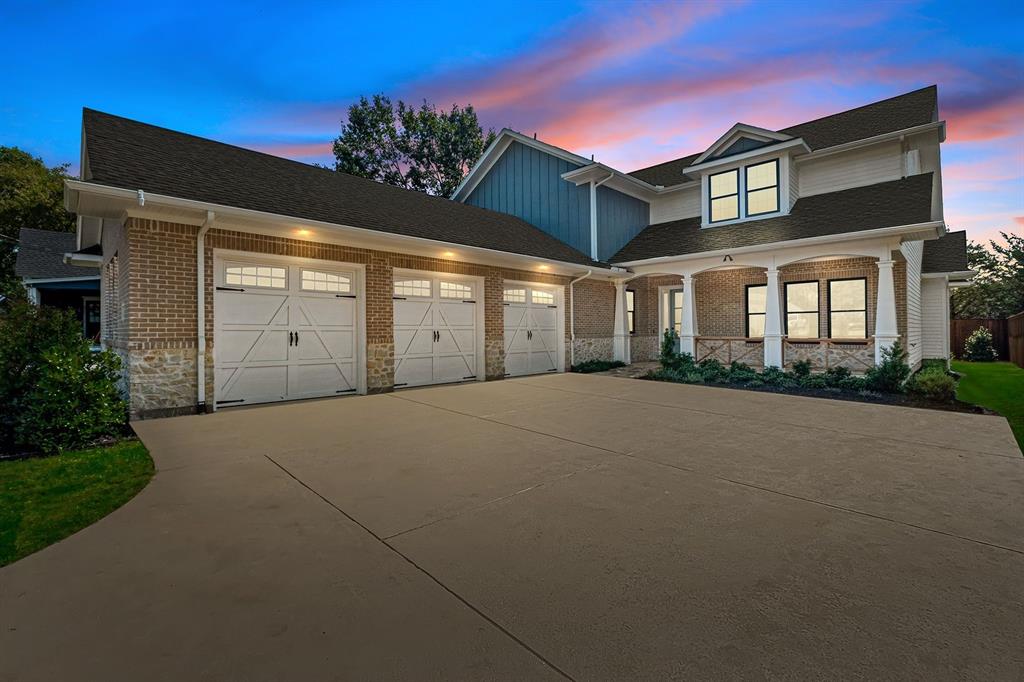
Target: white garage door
435	329
531	330
284	331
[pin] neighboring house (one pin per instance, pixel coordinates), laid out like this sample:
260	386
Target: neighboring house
824	241
49	280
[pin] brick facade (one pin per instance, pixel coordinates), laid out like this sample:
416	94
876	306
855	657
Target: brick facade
149	293
156	266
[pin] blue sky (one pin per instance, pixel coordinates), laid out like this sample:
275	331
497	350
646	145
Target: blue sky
634	84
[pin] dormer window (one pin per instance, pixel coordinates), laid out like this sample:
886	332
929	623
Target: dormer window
725	195
763	188
744	192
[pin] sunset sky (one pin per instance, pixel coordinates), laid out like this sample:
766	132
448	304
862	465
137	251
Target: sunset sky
633	84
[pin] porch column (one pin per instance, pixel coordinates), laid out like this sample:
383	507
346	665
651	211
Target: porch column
620	340
688	323
772	322
886	331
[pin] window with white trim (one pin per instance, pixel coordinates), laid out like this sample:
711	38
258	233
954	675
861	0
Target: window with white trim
542	297
802	310
317	280
762	188
412	287
256	276
757	306
725	195
848	308
515	296
455	290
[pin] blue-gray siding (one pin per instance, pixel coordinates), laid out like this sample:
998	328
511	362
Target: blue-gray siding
619	218
527	183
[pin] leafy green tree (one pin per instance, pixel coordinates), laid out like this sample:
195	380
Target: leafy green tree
998	289
31	195
426	148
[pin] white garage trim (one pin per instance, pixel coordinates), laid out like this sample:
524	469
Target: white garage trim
478	301
358	286
558	291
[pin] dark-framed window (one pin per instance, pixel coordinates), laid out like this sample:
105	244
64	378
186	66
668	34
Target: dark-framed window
724	196
631	310
762	188
675	297
802	309
757	304
848	308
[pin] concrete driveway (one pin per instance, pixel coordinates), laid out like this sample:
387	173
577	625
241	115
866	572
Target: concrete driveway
559	526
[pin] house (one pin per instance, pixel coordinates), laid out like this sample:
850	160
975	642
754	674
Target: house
49	280
823	241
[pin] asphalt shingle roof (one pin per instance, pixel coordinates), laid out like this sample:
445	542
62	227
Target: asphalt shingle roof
896	113
41	255
132	155
887	204
948	253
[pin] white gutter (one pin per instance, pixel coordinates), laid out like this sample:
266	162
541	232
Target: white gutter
247	214
201	311
572	319
937	225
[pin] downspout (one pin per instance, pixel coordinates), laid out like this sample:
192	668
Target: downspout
572	319
201	312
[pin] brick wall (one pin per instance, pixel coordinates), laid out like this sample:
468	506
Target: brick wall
162	306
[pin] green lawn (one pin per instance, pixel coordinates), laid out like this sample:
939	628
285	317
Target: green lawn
43	500
998	386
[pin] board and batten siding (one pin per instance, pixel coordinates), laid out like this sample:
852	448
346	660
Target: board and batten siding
913	252
934	318
619	218
683	203
527	183
868	166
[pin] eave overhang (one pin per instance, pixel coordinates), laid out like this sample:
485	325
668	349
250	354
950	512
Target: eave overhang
119	203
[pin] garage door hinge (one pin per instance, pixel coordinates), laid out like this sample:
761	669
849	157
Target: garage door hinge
472	377
229	289
507	374
552	306
344	296
398	298
404	384
346	390
465	301
552	370
228	402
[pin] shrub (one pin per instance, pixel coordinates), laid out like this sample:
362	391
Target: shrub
742	374
979	348
773	376
802	368
56	393
934	384
668	348
591	366
814	381
852	383
888	375
835	375
712	370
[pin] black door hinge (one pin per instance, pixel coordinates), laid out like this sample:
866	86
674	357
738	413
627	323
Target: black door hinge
472	377
347	390
402	384
465	301
345	296
398	298
228	402
229	289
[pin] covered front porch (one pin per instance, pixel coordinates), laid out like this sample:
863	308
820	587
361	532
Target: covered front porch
832	307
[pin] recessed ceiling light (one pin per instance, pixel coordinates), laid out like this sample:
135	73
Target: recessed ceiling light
303	232
543	267
448	254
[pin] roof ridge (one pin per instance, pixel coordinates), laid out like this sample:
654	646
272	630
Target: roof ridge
933	86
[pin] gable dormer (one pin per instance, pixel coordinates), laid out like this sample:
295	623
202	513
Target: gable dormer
747	174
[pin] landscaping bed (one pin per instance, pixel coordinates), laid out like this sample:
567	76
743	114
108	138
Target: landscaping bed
891	382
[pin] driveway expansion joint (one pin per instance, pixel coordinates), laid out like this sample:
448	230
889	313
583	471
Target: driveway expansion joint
383	541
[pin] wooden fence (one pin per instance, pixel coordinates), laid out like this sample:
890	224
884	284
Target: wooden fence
1015	338
959	330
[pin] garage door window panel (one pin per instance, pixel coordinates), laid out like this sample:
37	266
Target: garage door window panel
414	287
268	277
317	280
457	290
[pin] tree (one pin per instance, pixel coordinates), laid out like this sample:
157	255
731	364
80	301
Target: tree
31	195
997	290
425	149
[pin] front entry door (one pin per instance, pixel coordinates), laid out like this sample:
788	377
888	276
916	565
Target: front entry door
531	330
